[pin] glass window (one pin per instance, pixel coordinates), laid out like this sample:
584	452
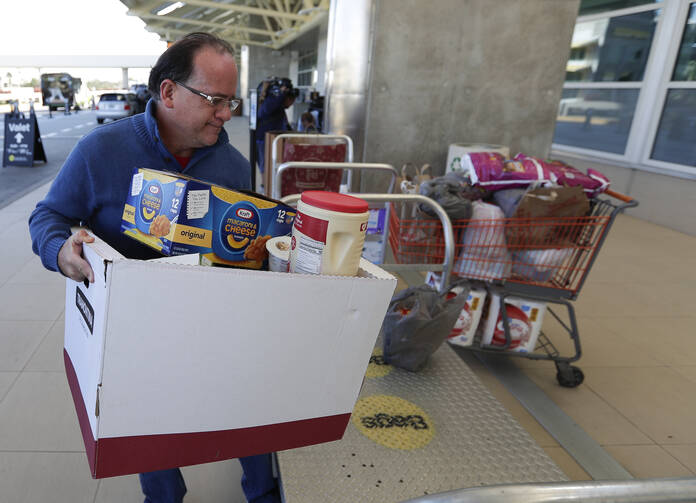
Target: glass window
597	119
595	6
613	49
307	64
676	135
685	69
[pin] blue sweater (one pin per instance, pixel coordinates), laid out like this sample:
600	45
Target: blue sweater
92	186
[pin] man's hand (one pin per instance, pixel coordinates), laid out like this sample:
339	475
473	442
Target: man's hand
70	259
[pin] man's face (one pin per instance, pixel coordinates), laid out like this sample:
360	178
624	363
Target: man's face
215	74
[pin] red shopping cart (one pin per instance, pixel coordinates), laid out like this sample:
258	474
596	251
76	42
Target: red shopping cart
542	259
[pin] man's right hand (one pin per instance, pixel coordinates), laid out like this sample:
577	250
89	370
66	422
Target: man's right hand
70	259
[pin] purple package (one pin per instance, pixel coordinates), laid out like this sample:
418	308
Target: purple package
492	172
593	183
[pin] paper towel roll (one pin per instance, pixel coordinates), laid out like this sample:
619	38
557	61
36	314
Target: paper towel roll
456	150
278	253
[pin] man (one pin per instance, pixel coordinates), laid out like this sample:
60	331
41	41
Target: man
192	85
275	97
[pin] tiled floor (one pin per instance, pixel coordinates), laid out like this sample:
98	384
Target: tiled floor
636	323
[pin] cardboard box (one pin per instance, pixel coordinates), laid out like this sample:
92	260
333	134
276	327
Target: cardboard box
176	215
464	329
172	364
525	320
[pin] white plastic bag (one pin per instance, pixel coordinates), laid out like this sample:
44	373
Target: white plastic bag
539	265
484	252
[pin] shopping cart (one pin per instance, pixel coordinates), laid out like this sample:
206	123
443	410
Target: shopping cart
543	259
314	139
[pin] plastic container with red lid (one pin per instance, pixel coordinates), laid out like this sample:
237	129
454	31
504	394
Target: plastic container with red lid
328	234
333	201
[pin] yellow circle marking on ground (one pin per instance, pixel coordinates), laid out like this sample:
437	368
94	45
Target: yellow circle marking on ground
393	422
377	366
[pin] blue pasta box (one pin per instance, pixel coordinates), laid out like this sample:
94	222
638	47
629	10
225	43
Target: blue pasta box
178	215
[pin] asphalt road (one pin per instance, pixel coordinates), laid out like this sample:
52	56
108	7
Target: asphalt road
59	135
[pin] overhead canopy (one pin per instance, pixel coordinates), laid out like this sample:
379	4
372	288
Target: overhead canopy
266	23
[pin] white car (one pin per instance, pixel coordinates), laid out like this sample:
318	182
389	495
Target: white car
116	106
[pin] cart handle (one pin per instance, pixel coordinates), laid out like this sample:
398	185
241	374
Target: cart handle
413	198
333	165
314	137
619	491
621	197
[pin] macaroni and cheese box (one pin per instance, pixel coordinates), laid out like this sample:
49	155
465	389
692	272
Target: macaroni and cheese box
247	362
177	215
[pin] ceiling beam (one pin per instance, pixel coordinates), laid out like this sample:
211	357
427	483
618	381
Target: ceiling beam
245	8
162	31
173	19
147	6
285	23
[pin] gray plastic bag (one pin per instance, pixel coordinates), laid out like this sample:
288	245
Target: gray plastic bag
450	192
418	321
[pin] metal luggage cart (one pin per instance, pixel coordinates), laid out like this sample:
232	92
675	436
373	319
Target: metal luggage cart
331	139
374	249
545	260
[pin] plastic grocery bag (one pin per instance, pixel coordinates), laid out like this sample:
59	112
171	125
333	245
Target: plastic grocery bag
540	265
449	192
484	254
418	321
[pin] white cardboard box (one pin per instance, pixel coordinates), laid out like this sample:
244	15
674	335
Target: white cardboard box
172	364
464	329
525	317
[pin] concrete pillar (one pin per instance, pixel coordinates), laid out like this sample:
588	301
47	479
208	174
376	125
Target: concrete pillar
348	71
244	79
265	63
321	58
449	71
293	68
124	78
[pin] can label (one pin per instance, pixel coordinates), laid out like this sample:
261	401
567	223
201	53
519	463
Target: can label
308	243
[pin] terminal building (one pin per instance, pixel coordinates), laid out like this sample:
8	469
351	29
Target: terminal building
605	85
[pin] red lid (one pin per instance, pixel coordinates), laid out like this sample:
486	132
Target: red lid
333	201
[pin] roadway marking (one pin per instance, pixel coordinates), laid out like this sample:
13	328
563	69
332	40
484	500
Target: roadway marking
79	126
90	123
47	135
65	130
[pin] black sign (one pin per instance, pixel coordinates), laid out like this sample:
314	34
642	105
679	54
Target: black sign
22	140
85	308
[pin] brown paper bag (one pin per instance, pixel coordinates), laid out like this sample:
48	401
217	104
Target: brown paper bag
543	209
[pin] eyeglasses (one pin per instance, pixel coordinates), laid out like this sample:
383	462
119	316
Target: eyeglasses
213	101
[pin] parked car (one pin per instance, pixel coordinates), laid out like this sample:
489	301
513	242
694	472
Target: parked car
116	106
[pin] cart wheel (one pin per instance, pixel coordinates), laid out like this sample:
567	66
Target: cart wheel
569	376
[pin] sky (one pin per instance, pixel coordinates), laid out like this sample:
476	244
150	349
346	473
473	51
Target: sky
64	27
